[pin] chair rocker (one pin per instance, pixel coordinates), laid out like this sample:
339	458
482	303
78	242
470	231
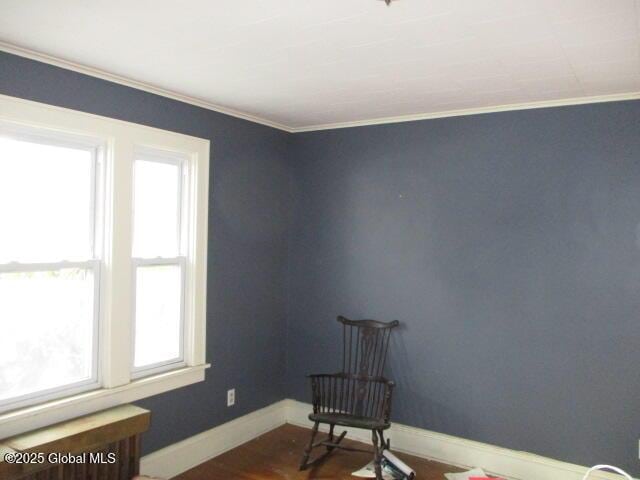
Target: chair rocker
357	397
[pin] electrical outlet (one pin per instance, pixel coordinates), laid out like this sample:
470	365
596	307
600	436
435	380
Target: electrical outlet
231	397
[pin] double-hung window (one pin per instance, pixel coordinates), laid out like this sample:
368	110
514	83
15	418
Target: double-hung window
103	238
159	212
49	265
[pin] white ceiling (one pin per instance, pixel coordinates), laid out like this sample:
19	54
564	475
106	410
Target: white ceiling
302	63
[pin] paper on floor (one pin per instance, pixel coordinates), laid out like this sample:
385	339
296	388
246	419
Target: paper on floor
476	472
368	471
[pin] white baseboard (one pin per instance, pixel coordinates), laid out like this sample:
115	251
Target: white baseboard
460	452
182	456
516	465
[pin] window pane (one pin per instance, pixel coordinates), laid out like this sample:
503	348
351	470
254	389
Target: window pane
156	209
45	202
47	321
158	330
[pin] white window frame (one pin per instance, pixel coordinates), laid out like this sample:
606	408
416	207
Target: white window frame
96	149
118	142
183	231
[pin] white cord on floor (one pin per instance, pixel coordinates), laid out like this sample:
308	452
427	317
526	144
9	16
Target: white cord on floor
607	467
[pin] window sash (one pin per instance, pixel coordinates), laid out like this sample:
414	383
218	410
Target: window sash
170	364
92	383
95	146
178	160
147	154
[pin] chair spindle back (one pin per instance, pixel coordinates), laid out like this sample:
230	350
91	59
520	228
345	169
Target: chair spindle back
365	347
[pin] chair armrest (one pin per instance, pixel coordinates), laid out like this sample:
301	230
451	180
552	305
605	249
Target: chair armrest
321	375
350	376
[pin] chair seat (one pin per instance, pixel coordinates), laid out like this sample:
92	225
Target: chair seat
346	420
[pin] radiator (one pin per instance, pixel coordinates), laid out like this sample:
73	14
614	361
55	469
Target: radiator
101	446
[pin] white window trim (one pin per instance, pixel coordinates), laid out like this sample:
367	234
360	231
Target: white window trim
37	416
121	139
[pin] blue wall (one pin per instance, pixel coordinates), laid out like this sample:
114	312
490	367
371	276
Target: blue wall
508	245
248	222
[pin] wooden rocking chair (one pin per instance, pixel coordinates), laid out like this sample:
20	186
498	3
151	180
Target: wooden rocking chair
359	396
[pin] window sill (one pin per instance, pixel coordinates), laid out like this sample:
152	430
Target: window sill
31	418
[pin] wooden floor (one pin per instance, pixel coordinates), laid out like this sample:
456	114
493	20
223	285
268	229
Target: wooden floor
276	455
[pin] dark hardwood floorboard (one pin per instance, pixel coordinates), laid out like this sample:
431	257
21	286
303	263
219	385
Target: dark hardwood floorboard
276	455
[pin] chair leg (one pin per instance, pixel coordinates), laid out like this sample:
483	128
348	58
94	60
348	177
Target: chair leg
307	451
377	459
331	436
386	444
